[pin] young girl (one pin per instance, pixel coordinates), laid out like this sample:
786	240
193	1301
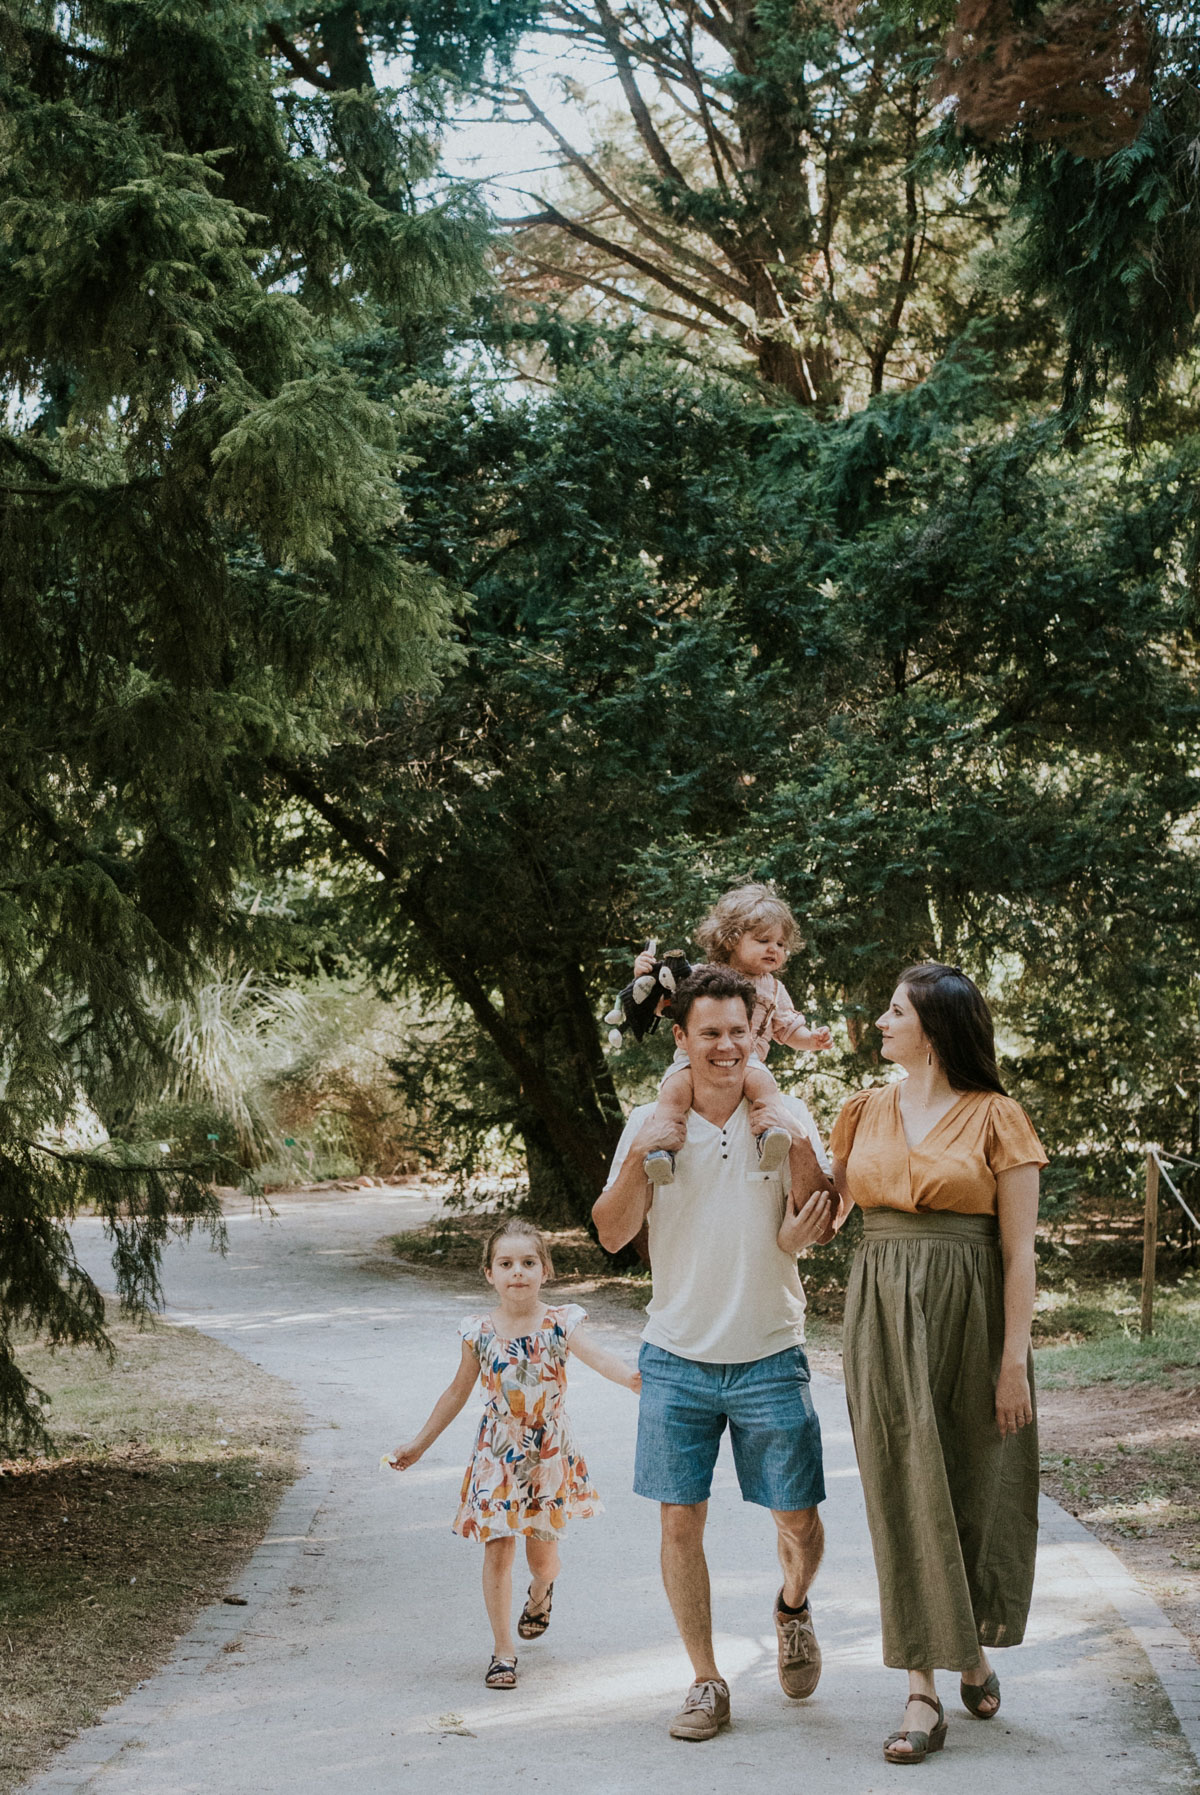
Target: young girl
526	1475
753	931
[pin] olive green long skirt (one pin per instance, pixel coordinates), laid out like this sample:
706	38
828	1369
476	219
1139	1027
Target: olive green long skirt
952	1507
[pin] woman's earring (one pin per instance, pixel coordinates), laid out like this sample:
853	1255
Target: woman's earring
929	1057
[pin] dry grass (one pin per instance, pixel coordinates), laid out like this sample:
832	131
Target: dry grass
1126	1461
454	1241
171	1462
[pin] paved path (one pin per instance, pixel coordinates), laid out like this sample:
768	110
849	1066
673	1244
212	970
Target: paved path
359	1659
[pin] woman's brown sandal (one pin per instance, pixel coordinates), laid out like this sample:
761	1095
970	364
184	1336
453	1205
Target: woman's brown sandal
533	1622
920	1744
501	1673
973	1694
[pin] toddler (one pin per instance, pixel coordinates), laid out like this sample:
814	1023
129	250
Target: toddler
752	930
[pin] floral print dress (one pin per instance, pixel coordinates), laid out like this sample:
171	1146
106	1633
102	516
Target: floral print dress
526	1474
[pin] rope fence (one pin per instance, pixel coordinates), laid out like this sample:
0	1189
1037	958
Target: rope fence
1156	1173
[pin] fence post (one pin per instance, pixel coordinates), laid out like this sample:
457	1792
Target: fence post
1149	1243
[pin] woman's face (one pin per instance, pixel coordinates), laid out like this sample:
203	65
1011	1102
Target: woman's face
904	1040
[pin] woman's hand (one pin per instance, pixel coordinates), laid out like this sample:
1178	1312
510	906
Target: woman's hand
634	1382
1014	1404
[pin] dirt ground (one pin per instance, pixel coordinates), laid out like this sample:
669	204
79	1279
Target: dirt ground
1127	1463
173	1459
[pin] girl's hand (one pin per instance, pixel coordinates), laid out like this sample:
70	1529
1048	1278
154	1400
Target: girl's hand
643	964
635	1382
820	1040
404	1456
1014	1405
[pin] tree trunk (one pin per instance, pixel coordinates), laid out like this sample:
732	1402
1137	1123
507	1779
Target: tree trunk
346	50
544	1029
549	1012
557	1198
807	374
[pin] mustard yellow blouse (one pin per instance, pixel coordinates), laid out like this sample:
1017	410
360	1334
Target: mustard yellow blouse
953	1167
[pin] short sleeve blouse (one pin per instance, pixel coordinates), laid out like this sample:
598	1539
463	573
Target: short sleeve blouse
954	1167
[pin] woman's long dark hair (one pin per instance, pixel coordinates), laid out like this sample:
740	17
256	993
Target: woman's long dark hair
954	1014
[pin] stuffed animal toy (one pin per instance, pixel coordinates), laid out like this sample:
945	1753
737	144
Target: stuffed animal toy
636	1008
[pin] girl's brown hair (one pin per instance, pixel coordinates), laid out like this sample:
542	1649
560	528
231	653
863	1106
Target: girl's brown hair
517	1228
954	1014
743	912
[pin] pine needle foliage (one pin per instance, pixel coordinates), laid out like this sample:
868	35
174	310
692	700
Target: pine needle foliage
1075	75
1111	237
199	562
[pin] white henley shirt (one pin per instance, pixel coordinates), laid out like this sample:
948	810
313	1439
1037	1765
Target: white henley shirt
724	1291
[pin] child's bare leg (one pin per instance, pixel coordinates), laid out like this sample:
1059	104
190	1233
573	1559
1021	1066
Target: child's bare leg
670	1117
544	1566
760	1086
498	1557
674	1103
774	1144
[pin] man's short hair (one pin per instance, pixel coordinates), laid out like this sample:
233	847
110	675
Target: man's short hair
711	981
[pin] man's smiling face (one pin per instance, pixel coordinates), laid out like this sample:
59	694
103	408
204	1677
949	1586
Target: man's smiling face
717	1040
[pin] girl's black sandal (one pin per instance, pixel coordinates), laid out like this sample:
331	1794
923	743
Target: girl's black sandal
533	1624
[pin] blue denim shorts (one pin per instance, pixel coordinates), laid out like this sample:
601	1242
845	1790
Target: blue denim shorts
685	1407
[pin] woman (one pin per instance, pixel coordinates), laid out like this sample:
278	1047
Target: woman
938	1368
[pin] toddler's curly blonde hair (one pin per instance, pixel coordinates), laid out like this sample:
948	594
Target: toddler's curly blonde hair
743	912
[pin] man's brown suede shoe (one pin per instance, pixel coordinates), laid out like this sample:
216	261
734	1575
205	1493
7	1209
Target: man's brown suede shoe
704	1712
799	1653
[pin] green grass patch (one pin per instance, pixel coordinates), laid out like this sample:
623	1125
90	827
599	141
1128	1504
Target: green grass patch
1122	1359
1094	1335
291	1169
168	1466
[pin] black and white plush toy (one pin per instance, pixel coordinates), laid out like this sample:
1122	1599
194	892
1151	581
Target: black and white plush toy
636	1008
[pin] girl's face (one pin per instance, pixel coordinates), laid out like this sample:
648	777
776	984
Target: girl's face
764	950
516	1270
904	1040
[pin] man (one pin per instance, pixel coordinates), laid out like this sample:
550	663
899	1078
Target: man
722	1343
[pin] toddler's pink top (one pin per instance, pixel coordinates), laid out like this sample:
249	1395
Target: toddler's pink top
775	1018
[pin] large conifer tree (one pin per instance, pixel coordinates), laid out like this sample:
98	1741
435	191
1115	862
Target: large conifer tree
198	562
